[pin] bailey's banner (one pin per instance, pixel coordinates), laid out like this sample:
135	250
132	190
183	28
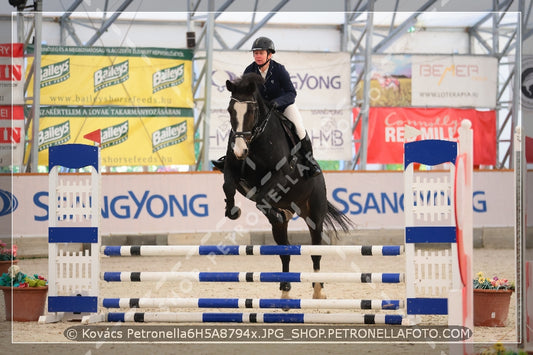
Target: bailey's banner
11	135
121	76
386	131
11	70
130	136
432	81
322	82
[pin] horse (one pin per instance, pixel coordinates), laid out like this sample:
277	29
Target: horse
263	164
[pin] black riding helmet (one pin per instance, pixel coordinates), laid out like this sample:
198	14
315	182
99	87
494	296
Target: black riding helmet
263	43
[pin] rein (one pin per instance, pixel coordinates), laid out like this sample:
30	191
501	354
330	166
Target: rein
249	136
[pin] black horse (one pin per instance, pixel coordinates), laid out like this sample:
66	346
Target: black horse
266	168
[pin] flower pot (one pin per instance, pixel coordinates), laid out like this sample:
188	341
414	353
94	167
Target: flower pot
6	264
491	307
27	303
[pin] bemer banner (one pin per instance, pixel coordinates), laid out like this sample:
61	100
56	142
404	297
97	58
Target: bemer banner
405	80
322	83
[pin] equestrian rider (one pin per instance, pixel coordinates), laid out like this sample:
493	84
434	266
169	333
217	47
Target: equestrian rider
279	91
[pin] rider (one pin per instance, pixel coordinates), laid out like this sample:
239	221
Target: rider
279	91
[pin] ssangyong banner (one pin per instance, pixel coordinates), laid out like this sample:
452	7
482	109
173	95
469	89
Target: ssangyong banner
322	82
11	135
406	80
163	203
386	131
11	74
130	136
118	76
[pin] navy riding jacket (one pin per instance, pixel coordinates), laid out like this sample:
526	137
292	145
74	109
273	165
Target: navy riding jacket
278	86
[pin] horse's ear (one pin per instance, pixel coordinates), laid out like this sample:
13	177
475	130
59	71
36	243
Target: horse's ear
229	85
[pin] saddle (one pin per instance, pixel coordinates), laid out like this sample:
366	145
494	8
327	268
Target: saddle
290	130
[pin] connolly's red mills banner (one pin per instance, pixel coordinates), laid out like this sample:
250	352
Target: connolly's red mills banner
386	130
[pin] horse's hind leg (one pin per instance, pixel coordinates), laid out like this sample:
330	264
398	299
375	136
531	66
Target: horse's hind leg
316	238
279	232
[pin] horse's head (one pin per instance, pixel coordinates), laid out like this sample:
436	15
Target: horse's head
244	111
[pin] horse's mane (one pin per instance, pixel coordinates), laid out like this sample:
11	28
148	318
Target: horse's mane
247	84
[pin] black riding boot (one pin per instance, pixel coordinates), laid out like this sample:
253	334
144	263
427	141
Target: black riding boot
309	160
219	164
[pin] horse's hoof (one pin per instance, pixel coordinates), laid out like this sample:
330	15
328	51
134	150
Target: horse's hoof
234	213
317	292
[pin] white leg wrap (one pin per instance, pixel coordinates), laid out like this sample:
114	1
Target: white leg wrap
293	114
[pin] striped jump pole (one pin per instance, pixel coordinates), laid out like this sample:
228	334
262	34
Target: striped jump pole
198	317
356	277
252	303
190	250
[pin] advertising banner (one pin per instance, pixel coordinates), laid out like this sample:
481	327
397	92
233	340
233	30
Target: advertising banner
432	81
322	82
162	203
11	135
527	104
11	74
131	136
118	76
386	131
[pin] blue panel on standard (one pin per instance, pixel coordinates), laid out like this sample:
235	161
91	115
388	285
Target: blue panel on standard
72	234
427	306
443	234
73	156
429	152
72	304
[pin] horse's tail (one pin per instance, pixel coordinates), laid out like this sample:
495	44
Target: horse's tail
335	218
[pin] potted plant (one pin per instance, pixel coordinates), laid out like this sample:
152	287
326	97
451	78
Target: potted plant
491	300
24	295
8	256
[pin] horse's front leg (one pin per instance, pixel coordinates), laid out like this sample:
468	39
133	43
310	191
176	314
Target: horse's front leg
229	187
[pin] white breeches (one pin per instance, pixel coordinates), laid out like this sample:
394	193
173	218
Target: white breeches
293	114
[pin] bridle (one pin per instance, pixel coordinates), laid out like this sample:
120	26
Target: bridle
249	136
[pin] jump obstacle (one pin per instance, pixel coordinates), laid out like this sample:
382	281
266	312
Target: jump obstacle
73	278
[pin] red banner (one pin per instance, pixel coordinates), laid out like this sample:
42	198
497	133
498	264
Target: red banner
386	131
529	149
11	135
